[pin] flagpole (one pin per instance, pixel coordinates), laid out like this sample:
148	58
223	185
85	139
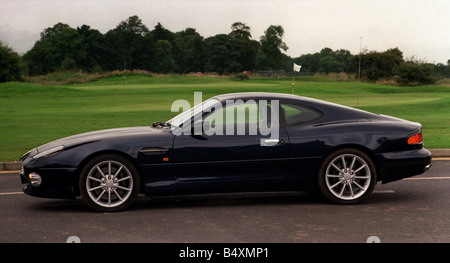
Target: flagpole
293	83
296	68
359	72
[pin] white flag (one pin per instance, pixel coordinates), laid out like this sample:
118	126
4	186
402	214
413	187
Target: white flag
297	67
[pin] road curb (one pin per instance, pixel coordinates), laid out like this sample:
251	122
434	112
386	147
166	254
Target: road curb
440	152
12	166
9	166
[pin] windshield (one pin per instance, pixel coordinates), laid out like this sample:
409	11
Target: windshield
186	115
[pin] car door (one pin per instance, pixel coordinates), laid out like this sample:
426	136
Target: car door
230	148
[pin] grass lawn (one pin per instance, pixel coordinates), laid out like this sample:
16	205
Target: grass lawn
32	114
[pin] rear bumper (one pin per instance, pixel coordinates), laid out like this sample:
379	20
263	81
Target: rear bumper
398	165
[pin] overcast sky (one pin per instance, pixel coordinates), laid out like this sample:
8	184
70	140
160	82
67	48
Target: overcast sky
419	28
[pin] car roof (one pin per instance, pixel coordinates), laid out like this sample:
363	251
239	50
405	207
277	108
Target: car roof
316	103
255	95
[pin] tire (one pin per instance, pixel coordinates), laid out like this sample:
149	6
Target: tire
347	176
109	183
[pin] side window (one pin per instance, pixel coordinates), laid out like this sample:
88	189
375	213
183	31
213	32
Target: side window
296	114
239	113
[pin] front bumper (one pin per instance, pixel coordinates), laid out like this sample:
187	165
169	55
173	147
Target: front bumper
55	183
398	165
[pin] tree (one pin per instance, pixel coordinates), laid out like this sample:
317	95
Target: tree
161	33
329	64
343	57
56	44
125	44
49	33
240	30
36	58
65	42
164	63
68	64
246	49
9	64
270	51
376	65
220	55
95	49
309	62
326	61
191	51
286	62
415	73
443	70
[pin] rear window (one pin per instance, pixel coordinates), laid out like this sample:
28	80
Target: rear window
296	114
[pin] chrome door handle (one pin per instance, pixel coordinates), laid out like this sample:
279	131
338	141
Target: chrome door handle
271	142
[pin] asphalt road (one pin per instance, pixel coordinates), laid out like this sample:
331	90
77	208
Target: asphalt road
411	210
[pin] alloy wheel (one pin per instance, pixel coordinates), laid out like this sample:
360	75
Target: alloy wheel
348	176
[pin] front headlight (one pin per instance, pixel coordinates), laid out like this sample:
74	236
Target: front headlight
50	152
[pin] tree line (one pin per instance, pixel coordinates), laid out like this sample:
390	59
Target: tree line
375	65
131	45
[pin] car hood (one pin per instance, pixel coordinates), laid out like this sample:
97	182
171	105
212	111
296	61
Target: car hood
100	135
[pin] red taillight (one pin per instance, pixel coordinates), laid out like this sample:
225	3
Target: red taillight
416	138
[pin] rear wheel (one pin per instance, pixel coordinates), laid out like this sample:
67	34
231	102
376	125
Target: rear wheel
109	183
347	176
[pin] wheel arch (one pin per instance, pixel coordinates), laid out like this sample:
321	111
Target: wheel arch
362	148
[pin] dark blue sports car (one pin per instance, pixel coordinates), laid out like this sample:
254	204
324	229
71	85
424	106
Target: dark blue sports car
232	143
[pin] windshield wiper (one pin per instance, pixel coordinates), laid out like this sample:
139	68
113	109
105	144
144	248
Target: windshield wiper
160	123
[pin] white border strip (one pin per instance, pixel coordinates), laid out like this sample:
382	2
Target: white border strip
11	193
427	178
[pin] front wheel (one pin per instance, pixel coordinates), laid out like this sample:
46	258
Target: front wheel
347	176
109	183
